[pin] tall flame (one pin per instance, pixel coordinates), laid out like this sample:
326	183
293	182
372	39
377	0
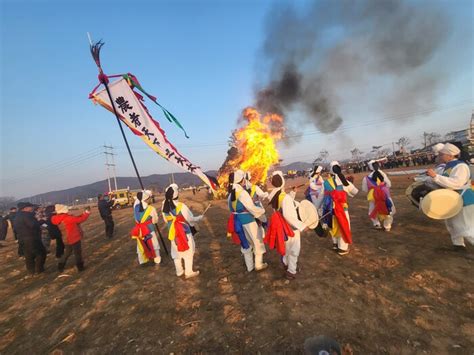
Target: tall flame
254	146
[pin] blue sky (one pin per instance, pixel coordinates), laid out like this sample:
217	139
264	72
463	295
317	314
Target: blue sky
197	57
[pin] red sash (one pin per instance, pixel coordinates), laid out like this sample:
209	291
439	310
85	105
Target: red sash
380	205
277	230
141	229
180	234
339	198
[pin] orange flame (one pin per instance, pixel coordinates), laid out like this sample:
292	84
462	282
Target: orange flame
256	145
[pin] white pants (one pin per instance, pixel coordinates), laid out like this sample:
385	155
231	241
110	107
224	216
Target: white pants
156	246
186	256
387	222
254	235
338	239
461	226
292	252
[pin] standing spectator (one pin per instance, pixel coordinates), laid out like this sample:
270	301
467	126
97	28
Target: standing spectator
11	220
45	237
105	210
54	231
73	233
29	236
3	227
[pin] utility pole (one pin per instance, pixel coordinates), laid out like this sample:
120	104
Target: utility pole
110	164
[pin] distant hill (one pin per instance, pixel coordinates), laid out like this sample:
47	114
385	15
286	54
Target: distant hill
156	182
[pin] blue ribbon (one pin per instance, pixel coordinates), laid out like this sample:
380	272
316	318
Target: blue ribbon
238	228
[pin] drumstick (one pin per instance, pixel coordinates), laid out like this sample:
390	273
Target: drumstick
209	205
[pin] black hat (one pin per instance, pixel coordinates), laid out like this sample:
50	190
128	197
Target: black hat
22	205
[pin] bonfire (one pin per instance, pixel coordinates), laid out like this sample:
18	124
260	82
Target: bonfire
253	147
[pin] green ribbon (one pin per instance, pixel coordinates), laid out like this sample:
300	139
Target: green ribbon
169	116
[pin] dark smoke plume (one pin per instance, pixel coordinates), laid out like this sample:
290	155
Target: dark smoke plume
378	52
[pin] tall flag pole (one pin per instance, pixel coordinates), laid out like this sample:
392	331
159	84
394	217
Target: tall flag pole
95	51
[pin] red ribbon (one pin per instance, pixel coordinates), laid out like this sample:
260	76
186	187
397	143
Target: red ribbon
180	234
277	230
141	229
231	229
380	205
340	198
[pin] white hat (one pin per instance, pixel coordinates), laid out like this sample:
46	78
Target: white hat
316	169
175	189
239	175
450	149
146	195
332	164
61	208
437	147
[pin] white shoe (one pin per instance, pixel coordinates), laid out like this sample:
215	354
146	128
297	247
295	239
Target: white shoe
180	274
157	260
193	274
263	267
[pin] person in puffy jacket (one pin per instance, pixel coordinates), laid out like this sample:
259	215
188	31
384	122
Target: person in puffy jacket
28	231
69	226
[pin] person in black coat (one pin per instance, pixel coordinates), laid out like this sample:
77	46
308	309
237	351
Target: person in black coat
3	228
105	211
29	235
53	230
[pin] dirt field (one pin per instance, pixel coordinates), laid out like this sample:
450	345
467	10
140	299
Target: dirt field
402	292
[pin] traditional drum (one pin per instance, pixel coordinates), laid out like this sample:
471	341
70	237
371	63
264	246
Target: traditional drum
441	204
418	190
308	214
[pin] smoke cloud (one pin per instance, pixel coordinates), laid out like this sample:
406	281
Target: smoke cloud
379	53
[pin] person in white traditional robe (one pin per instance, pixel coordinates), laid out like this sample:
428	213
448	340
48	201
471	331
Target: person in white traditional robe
258	196
180	219
457	176
378	180
148	247
336	210
242	226
315	192
285	205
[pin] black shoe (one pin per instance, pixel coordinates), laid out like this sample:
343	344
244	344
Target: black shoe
80	267
459	248
61	267
343	252
334	247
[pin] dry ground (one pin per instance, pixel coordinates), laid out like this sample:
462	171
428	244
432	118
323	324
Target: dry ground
401	292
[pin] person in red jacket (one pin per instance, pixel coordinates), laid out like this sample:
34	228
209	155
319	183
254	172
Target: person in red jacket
69	226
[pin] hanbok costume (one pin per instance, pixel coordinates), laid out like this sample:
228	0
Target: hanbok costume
457	176
381	207
242	226
336	209
257	195
284	227
148	248
180	219
315	190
